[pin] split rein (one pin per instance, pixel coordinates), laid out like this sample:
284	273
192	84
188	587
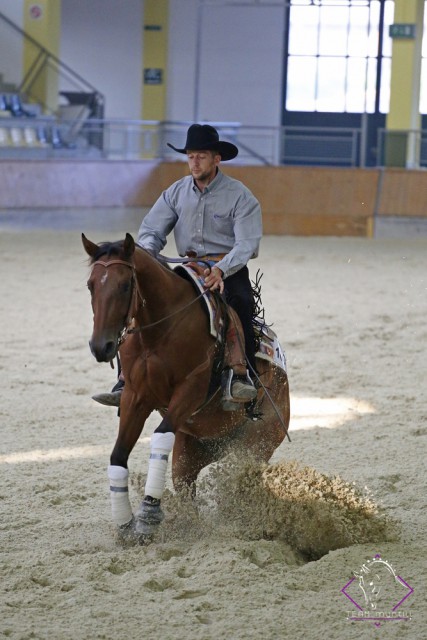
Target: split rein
135	289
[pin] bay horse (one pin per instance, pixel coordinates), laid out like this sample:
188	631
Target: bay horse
156	321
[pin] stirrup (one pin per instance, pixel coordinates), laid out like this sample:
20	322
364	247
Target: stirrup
233	403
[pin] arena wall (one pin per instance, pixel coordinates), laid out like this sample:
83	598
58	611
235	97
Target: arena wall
301	201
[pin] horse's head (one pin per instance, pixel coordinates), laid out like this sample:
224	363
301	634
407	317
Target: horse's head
111	285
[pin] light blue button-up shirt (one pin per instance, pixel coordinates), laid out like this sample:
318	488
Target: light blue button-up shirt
224	218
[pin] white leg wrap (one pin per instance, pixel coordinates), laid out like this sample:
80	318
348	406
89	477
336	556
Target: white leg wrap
161	446
120	504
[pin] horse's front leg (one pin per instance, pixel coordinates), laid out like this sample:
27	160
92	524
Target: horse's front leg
150	515
186	398
132	420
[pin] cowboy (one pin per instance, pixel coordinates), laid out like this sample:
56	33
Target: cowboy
217	219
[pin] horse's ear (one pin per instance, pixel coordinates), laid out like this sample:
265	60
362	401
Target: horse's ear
128	246
90	247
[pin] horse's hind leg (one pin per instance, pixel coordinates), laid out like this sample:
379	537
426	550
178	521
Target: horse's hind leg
261	439
190	456
263	436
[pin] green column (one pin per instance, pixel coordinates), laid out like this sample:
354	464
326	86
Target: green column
404	120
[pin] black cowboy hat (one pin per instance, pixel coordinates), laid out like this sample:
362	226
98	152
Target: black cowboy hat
203	136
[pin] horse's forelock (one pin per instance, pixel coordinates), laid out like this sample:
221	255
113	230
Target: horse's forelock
108	249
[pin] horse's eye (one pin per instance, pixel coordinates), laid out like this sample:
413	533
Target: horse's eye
125	287
90	286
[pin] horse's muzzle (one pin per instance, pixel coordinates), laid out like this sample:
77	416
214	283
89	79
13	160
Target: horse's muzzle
104	351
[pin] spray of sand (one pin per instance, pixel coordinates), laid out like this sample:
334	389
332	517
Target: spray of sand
309	511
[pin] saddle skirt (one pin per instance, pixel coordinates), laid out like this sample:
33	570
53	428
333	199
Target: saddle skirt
269	345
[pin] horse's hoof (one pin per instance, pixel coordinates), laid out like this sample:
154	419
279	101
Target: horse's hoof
127	532
133	533
148	518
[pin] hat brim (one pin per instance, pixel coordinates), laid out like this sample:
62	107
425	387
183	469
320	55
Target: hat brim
226	150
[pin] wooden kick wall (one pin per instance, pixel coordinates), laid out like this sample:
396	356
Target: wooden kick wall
295	200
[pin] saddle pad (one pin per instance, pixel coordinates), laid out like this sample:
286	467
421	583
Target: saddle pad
270	349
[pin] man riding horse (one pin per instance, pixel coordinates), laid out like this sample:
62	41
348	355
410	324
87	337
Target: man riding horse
217	220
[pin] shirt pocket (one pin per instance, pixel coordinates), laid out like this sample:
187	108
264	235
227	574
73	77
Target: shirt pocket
223	223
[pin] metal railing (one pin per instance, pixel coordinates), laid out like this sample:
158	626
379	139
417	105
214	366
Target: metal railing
120	139
321	145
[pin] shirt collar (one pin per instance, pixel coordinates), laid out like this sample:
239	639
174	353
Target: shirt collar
212	185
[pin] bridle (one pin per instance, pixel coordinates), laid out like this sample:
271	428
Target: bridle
136	294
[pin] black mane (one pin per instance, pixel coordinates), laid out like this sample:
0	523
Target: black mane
108	249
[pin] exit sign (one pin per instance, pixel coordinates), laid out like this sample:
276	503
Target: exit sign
402	31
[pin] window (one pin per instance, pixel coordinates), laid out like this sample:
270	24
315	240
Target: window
334	61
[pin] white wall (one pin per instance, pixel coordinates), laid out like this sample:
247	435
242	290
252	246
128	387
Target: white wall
240	63
239	77
10	42
102	41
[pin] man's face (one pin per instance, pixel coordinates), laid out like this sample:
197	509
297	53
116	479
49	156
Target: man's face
203	164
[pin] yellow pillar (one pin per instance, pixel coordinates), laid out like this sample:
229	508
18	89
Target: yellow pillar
42	21
402	146
154	64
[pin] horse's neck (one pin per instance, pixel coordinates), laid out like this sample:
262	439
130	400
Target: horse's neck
160	288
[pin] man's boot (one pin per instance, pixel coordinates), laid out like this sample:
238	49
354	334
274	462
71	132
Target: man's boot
111	398
238	386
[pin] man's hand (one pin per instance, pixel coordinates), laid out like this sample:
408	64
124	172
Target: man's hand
213	279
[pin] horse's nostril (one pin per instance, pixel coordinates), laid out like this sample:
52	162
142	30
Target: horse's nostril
110	349
103	352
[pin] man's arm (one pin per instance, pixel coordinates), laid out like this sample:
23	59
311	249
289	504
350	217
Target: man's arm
247	233
156	225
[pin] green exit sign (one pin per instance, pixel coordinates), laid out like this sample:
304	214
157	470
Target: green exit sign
402	31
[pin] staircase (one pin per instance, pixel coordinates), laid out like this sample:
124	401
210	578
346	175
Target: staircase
31	128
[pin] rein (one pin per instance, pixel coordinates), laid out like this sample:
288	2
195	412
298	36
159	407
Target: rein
171	315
